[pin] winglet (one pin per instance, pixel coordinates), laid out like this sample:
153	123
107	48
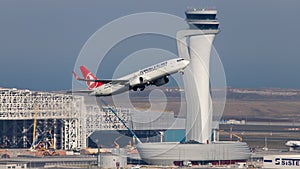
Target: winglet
76	76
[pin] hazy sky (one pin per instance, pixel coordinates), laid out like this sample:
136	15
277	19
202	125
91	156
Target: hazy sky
40	40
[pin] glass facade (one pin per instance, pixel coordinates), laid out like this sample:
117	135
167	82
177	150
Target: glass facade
201	16
204	26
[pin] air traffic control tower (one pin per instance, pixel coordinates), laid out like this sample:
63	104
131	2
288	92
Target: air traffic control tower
195	45
200	36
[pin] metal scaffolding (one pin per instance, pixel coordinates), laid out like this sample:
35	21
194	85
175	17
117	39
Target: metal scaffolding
64	118
19	105
101	118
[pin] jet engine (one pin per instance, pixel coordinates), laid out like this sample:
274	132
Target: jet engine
137	81
161	81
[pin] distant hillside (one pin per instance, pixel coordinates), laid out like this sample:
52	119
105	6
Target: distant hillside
263	94
232	93
250	104
243	104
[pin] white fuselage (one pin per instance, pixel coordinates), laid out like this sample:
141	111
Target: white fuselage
293	143
142	78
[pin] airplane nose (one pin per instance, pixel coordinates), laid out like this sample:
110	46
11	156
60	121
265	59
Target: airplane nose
186	63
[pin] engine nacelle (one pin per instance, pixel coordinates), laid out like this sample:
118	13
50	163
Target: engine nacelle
161	81
137	81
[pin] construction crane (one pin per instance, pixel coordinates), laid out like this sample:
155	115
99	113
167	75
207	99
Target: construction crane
231	134
237	136
41	146
115	142
34	128
121	120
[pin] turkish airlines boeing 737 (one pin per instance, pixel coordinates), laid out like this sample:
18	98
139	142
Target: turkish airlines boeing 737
153	75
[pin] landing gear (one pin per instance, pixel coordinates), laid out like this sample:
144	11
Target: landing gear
181	72
135	88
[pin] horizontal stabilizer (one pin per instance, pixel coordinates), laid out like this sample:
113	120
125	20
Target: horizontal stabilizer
78	91
76	76
113	81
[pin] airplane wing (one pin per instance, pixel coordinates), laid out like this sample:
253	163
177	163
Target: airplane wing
113	81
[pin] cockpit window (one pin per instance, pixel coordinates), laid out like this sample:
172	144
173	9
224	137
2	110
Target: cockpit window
179	60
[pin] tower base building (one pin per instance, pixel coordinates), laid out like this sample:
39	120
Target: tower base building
172	153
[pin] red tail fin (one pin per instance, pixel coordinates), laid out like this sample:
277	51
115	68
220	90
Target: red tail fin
89	76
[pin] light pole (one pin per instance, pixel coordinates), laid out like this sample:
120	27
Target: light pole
99	153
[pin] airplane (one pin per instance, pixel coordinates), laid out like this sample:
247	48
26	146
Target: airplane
153	75
293	144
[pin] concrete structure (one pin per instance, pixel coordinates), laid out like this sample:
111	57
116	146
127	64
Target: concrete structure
13	165
115	159
49	162
200	37
169	153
